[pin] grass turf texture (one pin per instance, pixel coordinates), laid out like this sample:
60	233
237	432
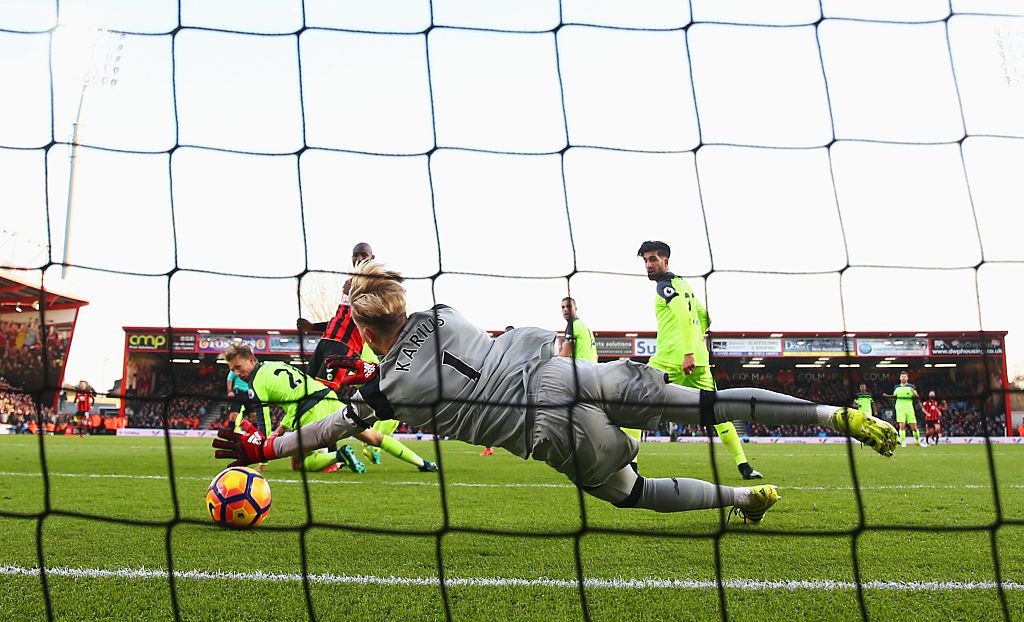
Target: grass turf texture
937	487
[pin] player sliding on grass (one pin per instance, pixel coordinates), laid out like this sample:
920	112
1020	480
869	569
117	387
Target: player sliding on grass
440	372
307	400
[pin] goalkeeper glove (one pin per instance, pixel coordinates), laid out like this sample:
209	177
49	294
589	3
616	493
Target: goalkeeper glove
249	447
353	370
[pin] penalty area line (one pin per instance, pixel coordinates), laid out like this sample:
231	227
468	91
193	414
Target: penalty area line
620	584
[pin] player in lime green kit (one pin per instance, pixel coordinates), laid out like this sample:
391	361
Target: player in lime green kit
578	340
905	394
682	352
307	400
863	401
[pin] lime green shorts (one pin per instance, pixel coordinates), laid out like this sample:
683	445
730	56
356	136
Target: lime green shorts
700	378
386	427
906	417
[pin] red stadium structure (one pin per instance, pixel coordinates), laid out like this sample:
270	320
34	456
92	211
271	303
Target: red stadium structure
155	355
36	328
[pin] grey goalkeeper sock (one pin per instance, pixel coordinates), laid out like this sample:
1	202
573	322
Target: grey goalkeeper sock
676	494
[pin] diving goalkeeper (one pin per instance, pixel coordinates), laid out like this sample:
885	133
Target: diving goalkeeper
440	372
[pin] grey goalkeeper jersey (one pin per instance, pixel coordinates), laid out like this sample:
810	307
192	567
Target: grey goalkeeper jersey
452	379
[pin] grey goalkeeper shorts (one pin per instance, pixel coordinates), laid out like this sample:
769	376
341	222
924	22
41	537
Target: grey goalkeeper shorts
580	408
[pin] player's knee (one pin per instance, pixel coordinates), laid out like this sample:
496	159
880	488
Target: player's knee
633	498
623	489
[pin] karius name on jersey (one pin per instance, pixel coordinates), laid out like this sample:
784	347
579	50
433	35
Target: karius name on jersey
415	341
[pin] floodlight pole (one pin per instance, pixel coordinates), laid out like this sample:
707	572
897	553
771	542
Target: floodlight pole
71	183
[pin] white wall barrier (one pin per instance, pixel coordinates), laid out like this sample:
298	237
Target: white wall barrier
160	432
772	440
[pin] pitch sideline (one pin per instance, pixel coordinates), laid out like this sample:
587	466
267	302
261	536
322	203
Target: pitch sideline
627	584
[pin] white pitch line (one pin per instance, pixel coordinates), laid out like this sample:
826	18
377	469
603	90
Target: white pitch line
346	482
363	482
628	584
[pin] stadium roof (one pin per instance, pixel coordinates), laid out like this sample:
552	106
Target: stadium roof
16	292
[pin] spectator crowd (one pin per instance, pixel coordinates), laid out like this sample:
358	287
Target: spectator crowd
22	352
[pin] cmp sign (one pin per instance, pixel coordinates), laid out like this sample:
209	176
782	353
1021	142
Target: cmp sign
147	342
157	342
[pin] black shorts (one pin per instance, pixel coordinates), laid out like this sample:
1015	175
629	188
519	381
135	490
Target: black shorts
317	366
931	422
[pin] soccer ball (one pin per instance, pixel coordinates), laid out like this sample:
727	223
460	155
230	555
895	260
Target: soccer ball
238	497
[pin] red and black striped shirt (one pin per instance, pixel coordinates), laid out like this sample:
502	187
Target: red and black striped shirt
343	328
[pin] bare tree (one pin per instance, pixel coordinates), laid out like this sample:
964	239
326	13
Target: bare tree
320	295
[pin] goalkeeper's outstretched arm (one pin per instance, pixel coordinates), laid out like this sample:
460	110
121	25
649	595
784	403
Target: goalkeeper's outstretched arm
342	424
252	446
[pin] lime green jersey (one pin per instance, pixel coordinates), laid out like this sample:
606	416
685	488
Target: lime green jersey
280	384
368	355
905	395
865	403
682	322
582	339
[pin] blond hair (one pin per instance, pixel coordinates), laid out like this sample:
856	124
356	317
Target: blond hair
236	349
377	297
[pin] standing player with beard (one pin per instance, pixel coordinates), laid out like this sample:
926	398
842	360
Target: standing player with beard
904	395
682	352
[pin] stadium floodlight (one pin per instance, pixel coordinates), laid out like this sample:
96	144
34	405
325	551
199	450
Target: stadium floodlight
17	307
94	58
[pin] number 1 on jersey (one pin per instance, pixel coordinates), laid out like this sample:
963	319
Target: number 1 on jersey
449	359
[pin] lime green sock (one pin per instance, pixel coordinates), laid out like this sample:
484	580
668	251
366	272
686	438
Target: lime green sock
903	435
917	435
400	451
635	434
731	440
319	461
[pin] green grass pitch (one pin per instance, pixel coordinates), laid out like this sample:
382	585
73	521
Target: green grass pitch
376	575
